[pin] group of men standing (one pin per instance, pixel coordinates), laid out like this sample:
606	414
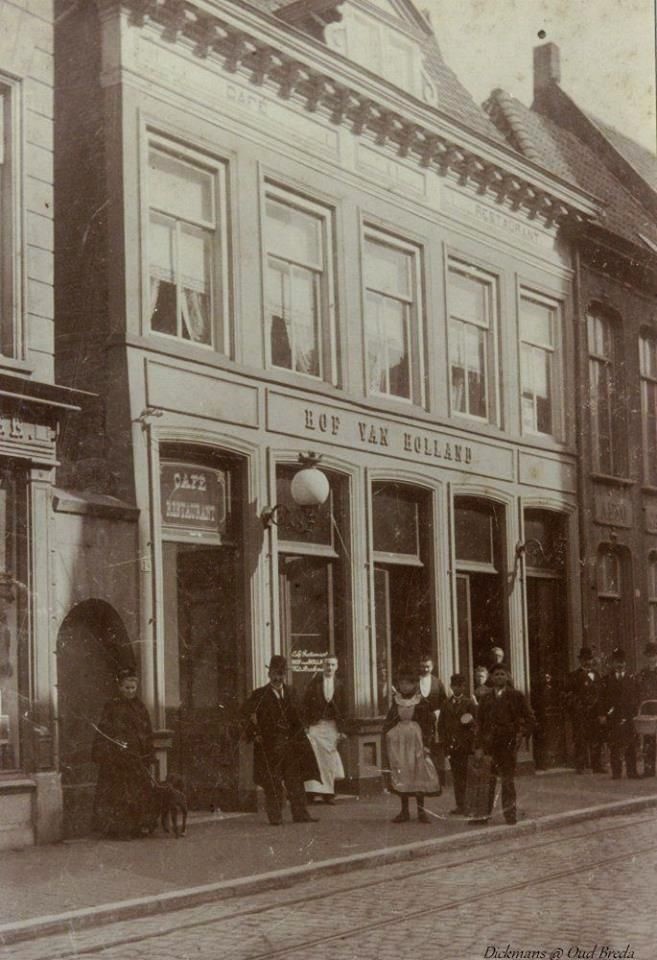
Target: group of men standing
603	709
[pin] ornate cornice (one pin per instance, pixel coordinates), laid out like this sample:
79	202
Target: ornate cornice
265	62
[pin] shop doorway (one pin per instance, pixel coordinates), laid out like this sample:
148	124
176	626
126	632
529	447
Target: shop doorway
203	606
92	645
547	633
402	534
481	595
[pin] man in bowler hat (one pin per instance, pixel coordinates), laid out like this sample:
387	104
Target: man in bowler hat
283	757
617	708
648	691
581	693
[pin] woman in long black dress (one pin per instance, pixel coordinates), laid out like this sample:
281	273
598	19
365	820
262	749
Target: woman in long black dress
123	749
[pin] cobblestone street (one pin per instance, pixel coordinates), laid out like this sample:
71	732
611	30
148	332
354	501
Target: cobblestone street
585	888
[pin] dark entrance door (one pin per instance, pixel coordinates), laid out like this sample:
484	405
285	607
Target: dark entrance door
206	727
548	664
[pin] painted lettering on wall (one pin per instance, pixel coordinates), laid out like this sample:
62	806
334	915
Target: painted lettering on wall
370	433
244	99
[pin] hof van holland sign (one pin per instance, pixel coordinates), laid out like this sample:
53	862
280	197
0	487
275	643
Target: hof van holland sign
193	498
344	427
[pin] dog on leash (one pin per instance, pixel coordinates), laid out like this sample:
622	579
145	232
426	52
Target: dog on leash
168	802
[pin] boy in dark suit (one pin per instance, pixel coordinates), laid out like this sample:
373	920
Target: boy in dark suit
503	719
648	691
283	757
456	726
617	708
582	690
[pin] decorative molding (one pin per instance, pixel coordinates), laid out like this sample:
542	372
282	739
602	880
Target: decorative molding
265	63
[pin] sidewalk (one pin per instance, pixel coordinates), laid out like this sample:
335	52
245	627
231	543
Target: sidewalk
39	884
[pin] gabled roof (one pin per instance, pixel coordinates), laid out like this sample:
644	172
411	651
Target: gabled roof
539	138
642	160
453	98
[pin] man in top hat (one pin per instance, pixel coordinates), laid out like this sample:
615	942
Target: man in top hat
648	691
581	692
617	708
283	757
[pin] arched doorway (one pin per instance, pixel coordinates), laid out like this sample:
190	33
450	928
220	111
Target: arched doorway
91	646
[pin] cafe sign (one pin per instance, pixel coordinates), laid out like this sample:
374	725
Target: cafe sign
193	499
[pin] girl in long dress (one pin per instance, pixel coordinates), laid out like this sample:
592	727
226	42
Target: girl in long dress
408	728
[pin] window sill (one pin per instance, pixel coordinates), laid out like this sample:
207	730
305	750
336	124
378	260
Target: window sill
14	365
15	782
649	489
612	481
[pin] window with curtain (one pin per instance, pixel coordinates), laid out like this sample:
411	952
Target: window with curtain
186	249
604	399
648	372
539	365
298	285
392	335
472	356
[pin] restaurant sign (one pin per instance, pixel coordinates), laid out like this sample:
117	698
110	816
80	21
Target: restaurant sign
193	498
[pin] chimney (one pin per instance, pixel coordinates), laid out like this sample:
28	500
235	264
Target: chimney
547	67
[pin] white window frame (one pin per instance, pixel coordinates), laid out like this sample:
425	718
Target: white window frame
220	305
416	320
491	363
12	294
554	350
648	344
387	36
327	324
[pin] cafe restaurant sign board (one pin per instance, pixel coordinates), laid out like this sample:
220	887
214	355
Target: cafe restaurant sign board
348	428
193	499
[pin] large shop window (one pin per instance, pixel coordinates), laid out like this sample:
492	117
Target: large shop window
187	247
299	290
313	579
648	371
393	318
652	596
547	630
14	659
482	619
403	581
471	297
540	368
606	395
204	643
615	599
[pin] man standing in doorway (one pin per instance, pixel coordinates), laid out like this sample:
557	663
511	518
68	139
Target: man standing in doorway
433	690
616	709
283	757
324	712
503	719
581	700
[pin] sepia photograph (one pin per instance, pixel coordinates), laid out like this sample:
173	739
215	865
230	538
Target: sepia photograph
328	479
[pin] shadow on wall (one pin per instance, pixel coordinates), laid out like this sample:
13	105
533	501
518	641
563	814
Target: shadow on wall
92	645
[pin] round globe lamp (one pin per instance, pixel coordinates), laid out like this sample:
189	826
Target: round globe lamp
309	487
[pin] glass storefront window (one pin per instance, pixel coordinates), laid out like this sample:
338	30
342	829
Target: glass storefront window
13	613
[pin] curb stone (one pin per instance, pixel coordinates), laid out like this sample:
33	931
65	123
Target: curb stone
278	879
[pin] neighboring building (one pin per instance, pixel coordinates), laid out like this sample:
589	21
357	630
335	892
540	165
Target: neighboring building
31	409
271	242
616	333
